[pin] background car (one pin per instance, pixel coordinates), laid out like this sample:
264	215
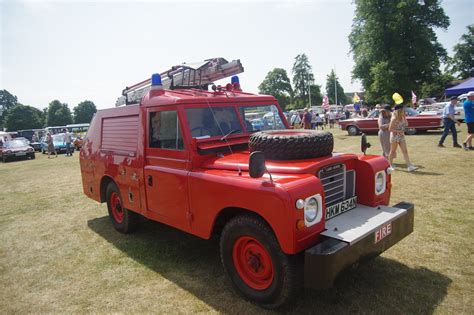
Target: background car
416	123
59	144
16	149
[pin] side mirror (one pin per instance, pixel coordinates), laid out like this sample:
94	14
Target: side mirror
257	164
364	145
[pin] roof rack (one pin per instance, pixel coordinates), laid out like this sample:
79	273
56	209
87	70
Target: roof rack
185	76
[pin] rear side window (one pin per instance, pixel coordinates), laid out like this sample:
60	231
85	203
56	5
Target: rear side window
165	131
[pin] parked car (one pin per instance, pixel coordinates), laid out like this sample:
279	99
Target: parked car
15	149
416	123
59	144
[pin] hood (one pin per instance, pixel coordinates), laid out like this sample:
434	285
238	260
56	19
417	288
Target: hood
240	160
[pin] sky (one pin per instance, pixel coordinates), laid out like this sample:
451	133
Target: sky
90	50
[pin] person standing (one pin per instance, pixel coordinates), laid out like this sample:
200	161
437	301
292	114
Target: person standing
68	140
295	120
397	126
50	142
469	119
449	123
307	119
319	122
384	133
332	119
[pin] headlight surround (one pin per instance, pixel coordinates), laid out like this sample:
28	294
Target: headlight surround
380	182
312	210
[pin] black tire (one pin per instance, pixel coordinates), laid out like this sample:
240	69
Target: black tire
130	220
353	130
43	151
292	144
410	131
32	156
287	270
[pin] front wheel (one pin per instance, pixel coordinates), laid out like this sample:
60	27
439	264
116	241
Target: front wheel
352	131
124	220
410	131
256	266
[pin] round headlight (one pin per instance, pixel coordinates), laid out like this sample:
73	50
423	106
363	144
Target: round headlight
379	183
311	210
299	204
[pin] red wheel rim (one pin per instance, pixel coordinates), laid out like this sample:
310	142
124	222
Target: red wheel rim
253	263
116	205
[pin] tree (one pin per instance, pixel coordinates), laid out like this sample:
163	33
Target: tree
59	114
331	81
463	59
278	84
84	111
7	101
394	46
23	117
302	79
316	96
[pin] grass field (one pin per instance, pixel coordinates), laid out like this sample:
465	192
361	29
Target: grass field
60	254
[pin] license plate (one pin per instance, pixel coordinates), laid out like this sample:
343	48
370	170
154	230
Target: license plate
384	231
20	153
341	207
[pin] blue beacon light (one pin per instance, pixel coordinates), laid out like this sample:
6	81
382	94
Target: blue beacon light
156	81
234	79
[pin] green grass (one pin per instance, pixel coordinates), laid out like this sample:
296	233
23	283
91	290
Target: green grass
60	254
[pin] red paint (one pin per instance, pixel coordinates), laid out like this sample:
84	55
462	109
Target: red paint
189	188
253	263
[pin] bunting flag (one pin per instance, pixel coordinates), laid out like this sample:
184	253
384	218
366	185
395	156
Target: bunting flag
413	98
326	103
356	98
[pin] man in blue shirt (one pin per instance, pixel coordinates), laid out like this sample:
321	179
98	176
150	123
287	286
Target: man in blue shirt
450	123
469	118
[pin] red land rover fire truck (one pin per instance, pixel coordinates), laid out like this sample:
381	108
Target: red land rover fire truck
289	211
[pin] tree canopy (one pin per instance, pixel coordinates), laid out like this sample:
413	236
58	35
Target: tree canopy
302	78
84	111
59	114
331	81
394	46
7	101
278	84
463	59
23	117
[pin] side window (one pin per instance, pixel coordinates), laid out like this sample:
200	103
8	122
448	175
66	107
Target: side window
165	131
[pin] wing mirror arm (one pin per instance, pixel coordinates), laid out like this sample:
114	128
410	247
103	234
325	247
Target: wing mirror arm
257	165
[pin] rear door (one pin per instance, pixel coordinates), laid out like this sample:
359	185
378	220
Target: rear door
166	168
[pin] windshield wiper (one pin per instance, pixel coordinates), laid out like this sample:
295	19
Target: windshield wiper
229	133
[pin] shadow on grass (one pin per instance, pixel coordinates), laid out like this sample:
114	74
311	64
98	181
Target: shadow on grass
193	264
419	171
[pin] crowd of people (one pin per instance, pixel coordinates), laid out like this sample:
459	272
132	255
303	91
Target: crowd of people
392	124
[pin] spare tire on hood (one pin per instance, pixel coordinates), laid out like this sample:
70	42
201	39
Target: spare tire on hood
290	144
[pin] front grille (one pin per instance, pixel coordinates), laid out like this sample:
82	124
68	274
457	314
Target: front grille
333	178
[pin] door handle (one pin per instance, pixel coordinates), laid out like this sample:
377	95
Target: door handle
150	180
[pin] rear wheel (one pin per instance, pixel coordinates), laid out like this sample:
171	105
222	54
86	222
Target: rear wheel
124	220
256	266
352	130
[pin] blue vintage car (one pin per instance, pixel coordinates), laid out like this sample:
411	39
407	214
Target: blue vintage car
59	144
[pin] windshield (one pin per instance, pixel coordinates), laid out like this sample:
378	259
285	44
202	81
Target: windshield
410	111
58	138
259	118
14	144
212	122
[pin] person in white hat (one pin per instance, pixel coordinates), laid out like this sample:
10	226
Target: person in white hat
469	119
